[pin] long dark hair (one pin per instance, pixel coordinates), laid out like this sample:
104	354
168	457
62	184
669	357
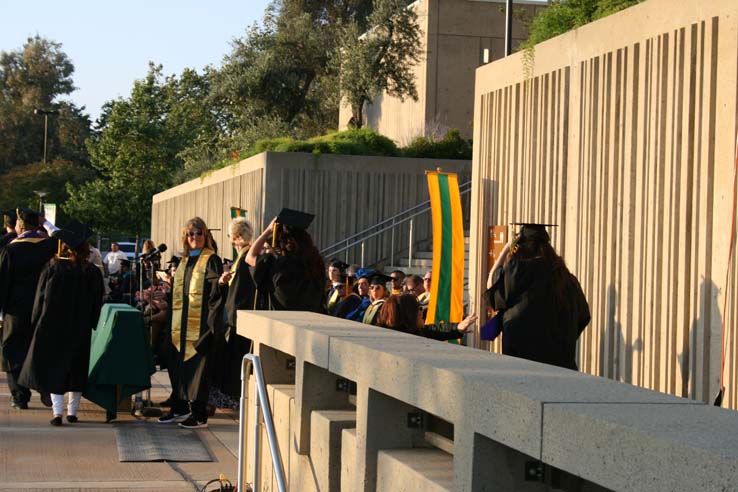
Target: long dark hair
307	252
399	312
524	249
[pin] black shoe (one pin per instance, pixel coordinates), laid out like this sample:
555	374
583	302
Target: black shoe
167	403
171	416
193	423
56	421
20	406
72	419
46	399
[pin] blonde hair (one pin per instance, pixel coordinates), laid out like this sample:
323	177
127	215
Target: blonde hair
242	228
196	223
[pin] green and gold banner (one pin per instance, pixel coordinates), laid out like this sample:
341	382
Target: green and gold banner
446	303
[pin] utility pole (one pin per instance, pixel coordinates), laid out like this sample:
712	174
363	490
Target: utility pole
46	124
508	26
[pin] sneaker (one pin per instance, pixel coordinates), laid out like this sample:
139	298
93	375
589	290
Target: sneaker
72	419
172	417
46	399
56	421
193	423
167	403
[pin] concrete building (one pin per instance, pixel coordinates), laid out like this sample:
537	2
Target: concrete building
623	132
457	37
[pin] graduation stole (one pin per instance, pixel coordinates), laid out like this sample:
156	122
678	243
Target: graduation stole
371	311
32	240
335	296
237	263
194	307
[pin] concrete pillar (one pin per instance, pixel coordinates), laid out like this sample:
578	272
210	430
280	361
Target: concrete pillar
382	423
315	390
325	445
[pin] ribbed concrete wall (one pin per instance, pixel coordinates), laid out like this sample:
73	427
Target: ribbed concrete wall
346	193
623	132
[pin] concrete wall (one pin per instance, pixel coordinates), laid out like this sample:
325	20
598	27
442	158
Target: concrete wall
347	194
454	35
425	415
623	133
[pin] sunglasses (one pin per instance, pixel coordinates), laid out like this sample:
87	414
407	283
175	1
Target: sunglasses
194	233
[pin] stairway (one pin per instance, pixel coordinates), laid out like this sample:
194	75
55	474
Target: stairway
422	261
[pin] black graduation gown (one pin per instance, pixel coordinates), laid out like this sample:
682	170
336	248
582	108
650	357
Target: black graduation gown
65	311
284	279
6	238
240	296
21	263
532	325
194	376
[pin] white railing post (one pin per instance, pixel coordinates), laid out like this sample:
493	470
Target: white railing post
410	246
261	401
362	254
392	245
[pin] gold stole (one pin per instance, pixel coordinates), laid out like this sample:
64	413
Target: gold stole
371	311
237	263
32	240
194	307
334	298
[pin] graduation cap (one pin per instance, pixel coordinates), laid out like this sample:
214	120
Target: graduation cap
295	218
339	264
74	234
378	278
534	232
364	273
9	217
28	216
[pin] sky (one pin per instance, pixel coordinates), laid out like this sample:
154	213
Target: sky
111	43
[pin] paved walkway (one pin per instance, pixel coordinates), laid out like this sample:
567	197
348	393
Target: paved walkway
35	456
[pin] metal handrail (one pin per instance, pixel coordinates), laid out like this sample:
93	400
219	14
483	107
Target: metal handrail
464	188
260	401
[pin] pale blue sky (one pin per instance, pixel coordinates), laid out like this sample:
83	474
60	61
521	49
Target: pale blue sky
111	43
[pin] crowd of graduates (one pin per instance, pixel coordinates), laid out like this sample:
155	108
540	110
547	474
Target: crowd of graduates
51	292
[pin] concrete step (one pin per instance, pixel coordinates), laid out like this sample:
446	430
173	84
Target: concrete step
326	428
415	470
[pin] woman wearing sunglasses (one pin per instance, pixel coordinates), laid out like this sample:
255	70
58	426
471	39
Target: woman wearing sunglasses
197	324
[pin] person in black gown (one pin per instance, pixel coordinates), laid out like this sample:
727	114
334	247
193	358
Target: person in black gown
66	310
21	262
544	308
240	292
197	326
293	276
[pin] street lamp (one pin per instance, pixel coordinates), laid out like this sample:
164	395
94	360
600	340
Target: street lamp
508	27
46	124
41	194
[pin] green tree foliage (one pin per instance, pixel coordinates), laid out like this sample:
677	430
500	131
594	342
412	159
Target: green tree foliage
381	59
35	76
564	15
138	149
20	183
280	79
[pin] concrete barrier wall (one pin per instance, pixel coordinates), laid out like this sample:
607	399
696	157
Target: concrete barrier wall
346	193
623	132
362	408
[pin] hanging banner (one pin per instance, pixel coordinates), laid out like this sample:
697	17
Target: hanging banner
446	303
236	212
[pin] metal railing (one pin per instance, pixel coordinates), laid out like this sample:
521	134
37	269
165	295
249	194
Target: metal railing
390	224
260	401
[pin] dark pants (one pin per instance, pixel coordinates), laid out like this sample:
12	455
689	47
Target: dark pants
21	394
197	408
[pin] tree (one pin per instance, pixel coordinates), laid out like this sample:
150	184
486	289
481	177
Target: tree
34	77
137	149
564	15
380	60
22	181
